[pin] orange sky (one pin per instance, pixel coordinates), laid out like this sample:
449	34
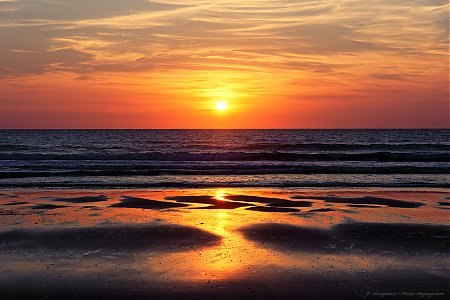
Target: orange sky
278	64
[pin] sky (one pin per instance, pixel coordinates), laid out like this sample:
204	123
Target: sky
278	63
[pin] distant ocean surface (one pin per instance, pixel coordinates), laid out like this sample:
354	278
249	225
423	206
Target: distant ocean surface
224	158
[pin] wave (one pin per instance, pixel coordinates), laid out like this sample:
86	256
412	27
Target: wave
189	185
345	147
258	146
241	156
14	147
223	170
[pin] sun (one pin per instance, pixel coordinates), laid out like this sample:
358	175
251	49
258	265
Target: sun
221	105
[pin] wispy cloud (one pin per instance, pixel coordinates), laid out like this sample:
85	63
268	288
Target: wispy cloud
279	47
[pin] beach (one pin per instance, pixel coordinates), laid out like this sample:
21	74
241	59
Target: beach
224	214
224	243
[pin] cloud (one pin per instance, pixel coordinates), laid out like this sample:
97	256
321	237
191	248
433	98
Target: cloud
66	10
252	35
388	76
282	48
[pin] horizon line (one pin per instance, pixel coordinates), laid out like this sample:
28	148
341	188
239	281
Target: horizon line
275	128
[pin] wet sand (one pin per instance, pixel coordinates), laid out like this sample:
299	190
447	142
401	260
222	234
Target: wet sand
225	244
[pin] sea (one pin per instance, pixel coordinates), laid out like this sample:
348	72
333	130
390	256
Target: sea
224	158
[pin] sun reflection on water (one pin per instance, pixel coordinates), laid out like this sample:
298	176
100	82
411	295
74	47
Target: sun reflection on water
220	195
234	257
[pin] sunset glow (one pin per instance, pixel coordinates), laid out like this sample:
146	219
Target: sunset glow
284	64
